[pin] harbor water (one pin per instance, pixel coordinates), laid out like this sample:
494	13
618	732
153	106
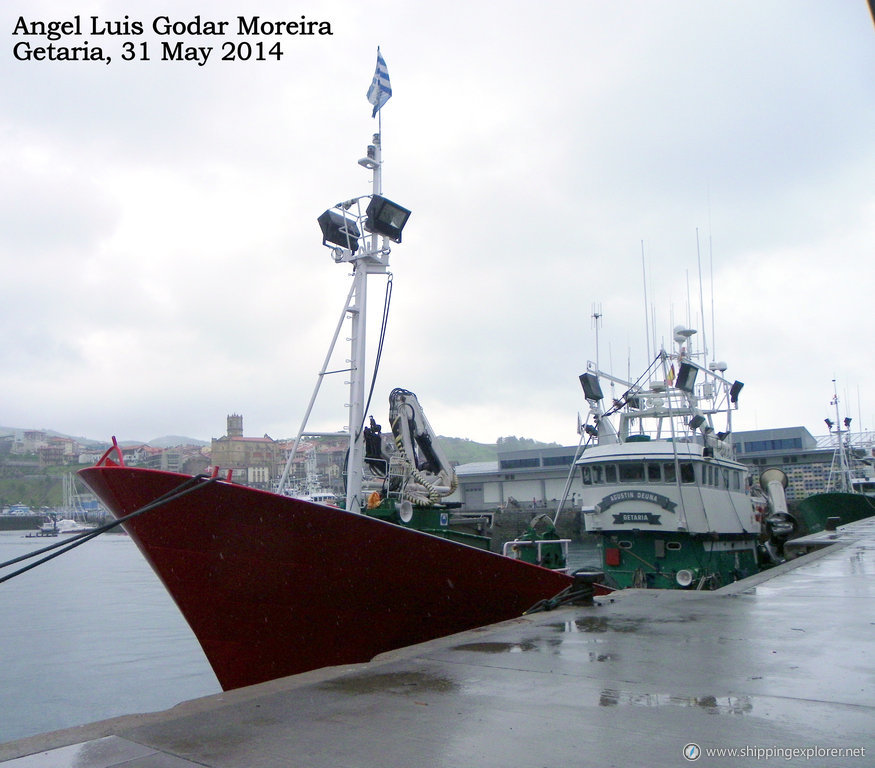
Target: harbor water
92	634
89	635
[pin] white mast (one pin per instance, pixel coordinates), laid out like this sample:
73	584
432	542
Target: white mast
701	300
844	483
371	259
374	259
360	238
647	347
596	323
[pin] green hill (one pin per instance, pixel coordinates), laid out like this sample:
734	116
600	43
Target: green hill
465	451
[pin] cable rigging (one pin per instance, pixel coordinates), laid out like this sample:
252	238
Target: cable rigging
62	547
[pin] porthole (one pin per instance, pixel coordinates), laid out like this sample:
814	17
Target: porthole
624	544
674	546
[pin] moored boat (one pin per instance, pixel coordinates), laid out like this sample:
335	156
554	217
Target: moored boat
662	490
274	585
64	526
850	488
829	509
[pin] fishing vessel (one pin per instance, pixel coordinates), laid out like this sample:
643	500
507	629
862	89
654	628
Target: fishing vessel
850	488
274	585
662	490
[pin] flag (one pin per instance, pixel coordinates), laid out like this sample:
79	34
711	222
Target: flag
380	90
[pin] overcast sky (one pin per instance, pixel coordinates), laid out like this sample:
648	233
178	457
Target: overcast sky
162	266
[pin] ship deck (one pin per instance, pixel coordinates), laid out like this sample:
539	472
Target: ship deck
781	661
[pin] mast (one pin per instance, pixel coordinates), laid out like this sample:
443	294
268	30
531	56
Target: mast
701	300
844	483
596	323
358	232
345	228
647	347
374	259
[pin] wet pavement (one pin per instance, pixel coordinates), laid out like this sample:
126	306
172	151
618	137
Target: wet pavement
778	663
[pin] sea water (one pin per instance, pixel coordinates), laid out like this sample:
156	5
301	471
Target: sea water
89	635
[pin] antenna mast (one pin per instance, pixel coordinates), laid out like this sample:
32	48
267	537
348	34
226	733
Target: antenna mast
646	317
596	323
701	299
844	467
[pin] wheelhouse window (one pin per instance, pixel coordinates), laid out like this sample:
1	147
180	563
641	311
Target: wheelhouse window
631	472
688	472
653	472
592	474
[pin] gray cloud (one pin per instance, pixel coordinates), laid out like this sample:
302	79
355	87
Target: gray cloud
157	220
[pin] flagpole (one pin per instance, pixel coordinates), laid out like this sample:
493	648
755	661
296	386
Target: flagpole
378	171
378	176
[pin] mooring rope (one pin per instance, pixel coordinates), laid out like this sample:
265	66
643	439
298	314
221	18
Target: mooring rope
579	592
62	547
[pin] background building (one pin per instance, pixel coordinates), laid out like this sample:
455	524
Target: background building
253	461
259	462
806	460
519	479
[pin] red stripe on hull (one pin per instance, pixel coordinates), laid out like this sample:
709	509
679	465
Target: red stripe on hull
274	586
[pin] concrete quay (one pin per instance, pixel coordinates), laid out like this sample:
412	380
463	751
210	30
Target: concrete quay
779	662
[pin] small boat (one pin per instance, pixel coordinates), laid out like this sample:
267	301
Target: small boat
274	585
850	488
671	506
55	527
320	496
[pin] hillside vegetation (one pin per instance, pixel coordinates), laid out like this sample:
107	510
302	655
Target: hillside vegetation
464	451
32	485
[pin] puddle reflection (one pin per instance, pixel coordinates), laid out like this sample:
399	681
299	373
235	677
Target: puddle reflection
550	645
724	705
392	682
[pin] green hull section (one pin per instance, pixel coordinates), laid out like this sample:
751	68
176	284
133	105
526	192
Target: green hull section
434	520
666	561
848	507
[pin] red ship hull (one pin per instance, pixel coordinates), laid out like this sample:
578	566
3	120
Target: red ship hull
273	586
